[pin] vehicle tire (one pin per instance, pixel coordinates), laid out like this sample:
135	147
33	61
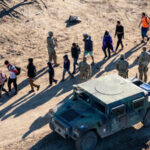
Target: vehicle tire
146	121
87	142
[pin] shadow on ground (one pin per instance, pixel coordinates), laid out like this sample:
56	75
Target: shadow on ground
129	139
11	11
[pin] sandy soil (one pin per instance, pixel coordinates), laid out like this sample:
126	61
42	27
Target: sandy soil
23	32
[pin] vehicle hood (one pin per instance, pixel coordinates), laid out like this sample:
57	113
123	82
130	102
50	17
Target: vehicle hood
77	113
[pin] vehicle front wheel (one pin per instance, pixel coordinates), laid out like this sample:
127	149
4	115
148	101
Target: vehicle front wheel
146	121
87	142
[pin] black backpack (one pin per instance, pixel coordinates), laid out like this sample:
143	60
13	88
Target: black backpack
19	70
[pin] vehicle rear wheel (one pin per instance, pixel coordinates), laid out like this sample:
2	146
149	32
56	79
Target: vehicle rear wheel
51	126
146	121
87	142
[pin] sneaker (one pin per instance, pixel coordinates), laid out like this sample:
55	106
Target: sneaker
38	88
55	81
31	91
142	41
104	57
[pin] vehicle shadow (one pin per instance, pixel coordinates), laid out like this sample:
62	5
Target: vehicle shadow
11	11
32	101
41	121
129	139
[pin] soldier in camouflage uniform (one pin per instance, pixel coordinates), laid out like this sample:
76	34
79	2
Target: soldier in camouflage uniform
51	44
85	70
122	67
143	62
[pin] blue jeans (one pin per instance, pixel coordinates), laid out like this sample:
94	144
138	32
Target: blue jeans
75	63
144	32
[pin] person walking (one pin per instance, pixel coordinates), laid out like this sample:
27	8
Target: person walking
88	47
3	79
12	76
143	62
51	74
145	26
32	74
75	51
51	45
107	44
85	70
120	34
66	67
122	67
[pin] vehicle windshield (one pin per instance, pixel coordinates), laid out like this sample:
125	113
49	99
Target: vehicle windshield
83	96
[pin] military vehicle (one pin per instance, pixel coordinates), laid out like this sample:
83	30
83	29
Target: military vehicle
99	108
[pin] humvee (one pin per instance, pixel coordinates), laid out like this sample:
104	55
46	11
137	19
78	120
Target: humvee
100	108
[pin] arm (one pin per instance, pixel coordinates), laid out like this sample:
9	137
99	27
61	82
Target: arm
140	24
123	31
116	31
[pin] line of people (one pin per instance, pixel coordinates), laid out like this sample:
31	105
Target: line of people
84	68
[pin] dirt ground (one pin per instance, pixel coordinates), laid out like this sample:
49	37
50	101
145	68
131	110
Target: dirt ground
24	26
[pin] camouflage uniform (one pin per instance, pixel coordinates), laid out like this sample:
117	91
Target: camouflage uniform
51	44
85	70
122	67
143	61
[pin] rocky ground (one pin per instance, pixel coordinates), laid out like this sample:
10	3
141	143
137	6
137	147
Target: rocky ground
24	26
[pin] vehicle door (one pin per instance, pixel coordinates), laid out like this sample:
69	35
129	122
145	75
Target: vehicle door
118	118
137	111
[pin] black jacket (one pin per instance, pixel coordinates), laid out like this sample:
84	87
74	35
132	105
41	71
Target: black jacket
31	70
75	51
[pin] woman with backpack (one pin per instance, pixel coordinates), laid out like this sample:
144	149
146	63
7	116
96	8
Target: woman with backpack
32	74
3	79
12	76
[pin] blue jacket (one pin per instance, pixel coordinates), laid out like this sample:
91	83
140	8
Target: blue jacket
107	41
88	44
66	63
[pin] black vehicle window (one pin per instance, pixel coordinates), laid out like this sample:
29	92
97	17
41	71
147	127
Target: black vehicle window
119	110
98	106
138	103
85	97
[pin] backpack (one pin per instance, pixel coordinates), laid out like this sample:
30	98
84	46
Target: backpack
19	70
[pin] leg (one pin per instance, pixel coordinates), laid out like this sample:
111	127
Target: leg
9	84
64	72
104	50
31	84
15	85
140	72
70	73
108	52
143	33
145	73
74	65
50	79
54	57
0	91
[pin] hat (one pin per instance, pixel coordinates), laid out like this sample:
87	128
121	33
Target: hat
122	56
85	34
50	33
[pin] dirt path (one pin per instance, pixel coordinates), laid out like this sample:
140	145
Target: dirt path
23	30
